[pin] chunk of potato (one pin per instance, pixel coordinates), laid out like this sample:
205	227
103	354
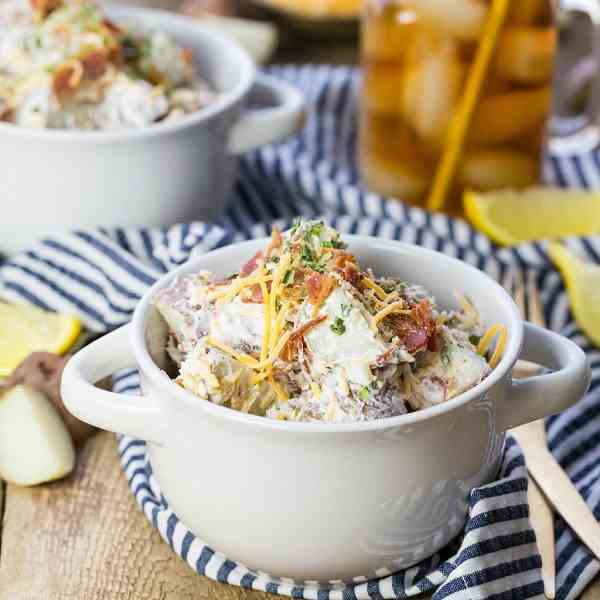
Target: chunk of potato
382	87
501	118
461	19
496	169
35	445
526	55
431	89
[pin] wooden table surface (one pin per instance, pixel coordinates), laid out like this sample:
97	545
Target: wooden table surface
84	538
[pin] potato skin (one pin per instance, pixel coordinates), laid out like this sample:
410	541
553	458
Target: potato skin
42	371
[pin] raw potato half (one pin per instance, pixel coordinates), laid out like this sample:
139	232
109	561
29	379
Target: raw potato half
35	445
495	169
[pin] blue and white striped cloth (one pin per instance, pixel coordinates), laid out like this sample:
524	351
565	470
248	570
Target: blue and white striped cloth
101	274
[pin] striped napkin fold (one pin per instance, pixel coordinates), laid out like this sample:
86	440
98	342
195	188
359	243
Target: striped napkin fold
101	274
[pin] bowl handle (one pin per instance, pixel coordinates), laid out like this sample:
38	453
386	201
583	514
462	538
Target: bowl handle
284	115
137	416
543	395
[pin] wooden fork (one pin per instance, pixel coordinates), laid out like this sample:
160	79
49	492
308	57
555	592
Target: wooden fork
533	434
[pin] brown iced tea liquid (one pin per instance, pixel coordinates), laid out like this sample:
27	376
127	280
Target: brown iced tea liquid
416	57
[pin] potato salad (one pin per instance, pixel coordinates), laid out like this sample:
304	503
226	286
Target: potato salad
65	65
303	332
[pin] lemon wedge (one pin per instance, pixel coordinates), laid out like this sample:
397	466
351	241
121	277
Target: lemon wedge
510	217
25	328
582	281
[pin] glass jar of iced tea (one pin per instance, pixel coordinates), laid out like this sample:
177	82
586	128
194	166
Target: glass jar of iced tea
424	62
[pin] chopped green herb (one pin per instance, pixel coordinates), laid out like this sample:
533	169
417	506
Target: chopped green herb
315	229
338	326
337	244
145	49
36	39
346	310
288	278
445	354
474	339
388	289
129	48
364	394
309	258
295	226
307	255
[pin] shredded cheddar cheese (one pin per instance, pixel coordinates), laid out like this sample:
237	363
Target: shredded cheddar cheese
343	382
258	377
279	391
381	293
237	286
486	341
264	351
315	390
276	332
278	276
395	307
245	359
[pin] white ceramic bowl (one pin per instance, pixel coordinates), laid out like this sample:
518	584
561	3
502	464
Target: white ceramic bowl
163	174
317	501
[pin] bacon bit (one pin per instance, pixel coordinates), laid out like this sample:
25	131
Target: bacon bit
42	8
319	287
67	77
422	313
434	344
94	63
255	297
344	263
350	274
186	55
276	241
303	329
111	25
297	336
343	258
383	358
251	265
6	111
417	330
155	76
290	350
